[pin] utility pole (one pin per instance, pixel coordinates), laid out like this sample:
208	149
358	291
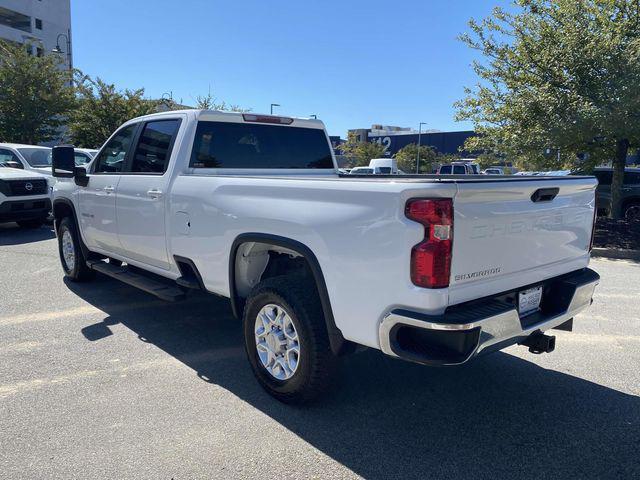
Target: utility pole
419	144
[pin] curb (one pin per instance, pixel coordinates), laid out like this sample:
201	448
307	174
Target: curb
619	254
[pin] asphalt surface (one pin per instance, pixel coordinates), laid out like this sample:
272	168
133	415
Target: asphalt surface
100	380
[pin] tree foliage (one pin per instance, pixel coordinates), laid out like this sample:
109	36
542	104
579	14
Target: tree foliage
35	94
360	153
101	109
407	157
557	76
209	102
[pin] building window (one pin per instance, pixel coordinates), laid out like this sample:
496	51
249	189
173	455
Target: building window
38	24
12	19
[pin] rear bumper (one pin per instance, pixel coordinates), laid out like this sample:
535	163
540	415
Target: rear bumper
473	328
15	210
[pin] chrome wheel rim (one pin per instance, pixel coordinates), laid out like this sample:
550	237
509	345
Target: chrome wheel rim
633	213
277	342
68	252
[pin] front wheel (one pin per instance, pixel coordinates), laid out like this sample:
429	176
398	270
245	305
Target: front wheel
632	212
71	257
286	340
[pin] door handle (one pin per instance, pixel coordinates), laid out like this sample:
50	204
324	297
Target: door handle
154	193
109	189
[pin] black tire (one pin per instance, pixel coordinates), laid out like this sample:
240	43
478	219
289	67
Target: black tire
79	271
33	223
316	363
632	212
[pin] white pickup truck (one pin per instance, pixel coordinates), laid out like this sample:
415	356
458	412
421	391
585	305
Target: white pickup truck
432	269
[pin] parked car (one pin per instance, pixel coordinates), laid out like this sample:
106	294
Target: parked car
455	168
24	197
493	171
27	157
630	192
252	207
384	166
363	171
84	155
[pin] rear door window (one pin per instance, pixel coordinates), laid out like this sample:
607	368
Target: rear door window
632	178
459	170
245	145
154	146
604	177
445	170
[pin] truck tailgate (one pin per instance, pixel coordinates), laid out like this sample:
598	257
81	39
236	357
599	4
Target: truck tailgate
506	236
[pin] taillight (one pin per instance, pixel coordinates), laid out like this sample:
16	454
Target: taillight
250	117
431	258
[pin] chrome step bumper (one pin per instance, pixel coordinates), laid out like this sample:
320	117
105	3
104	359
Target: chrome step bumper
490	324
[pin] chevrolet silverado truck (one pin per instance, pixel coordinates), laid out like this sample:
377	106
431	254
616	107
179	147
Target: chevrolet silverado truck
431	269
24	197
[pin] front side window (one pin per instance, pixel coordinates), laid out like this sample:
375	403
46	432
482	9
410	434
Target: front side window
246	145
154	147
9	159
111	158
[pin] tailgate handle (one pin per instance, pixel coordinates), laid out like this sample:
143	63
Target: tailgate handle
544	194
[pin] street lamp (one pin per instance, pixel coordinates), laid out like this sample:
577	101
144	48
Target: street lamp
274	105
57	48
315	117
419	143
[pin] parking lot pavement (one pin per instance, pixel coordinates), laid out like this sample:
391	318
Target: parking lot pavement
103	381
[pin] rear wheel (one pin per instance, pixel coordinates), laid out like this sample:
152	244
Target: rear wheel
71	257
33	223
286	340
632	212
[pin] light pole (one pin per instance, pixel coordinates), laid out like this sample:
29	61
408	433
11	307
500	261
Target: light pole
419	143
57	48
274	105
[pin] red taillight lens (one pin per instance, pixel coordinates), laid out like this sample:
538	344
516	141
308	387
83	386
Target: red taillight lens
431	258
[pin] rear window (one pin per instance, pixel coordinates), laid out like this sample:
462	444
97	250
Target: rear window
245	145
631	178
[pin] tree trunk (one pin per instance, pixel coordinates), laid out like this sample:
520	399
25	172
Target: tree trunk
619	162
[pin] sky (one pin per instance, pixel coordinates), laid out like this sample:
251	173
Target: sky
352	63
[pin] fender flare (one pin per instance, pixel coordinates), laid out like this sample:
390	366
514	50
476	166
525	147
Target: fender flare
56	222
336	340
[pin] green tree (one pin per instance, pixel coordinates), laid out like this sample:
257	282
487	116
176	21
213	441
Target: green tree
558	78
209	102
101	109
360	153
408	155
35	95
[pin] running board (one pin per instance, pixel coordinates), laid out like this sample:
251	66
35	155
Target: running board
149	285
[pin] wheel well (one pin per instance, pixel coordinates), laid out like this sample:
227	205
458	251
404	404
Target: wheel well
61	210
256	257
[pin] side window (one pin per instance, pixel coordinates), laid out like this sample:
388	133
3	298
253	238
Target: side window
9	159
81	158
111	158
604	177
459	170
632	178
154	147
